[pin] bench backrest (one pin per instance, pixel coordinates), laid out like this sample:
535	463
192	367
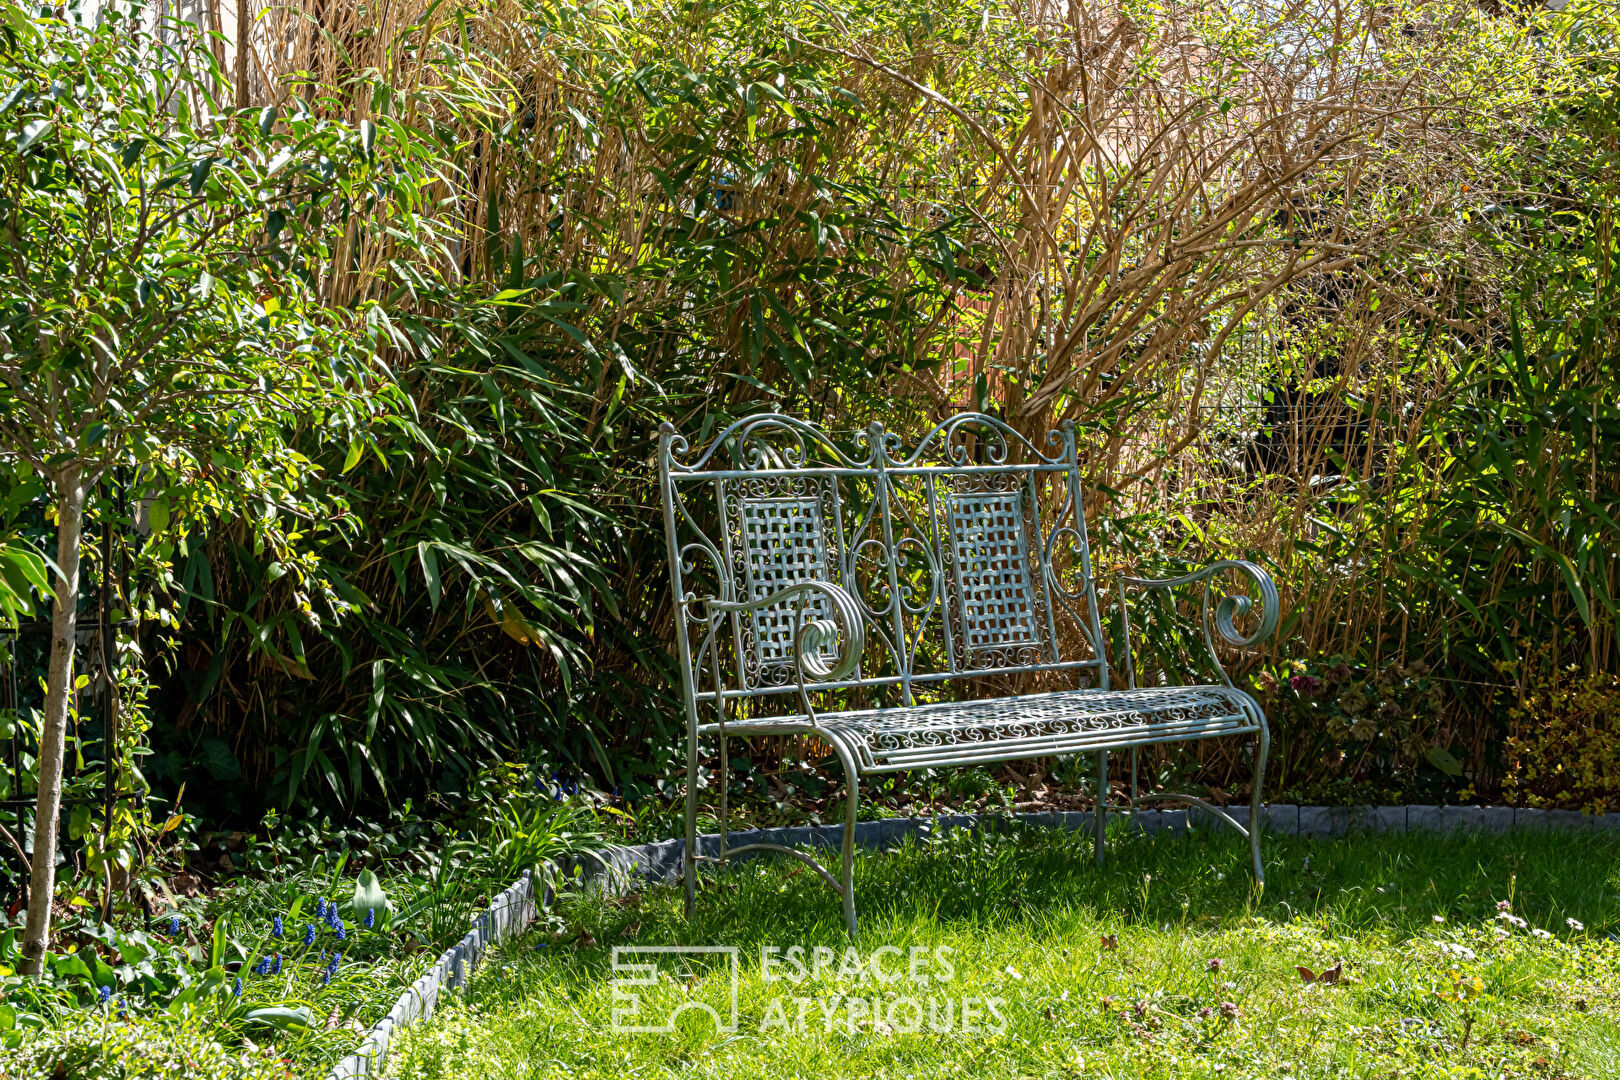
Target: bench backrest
966	557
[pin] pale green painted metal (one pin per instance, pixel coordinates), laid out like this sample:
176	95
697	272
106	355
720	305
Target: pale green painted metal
800	566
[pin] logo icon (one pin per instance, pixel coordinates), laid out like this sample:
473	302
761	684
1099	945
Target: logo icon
637	971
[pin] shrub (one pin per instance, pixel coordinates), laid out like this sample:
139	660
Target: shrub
1564	745
1381	729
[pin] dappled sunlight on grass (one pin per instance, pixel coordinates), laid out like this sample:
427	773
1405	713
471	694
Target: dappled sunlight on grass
1013	955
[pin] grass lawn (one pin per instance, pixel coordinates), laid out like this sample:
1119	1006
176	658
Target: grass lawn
1164	963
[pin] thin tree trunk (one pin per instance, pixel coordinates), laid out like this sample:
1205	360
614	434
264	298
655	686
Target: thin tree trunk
244	38
53	736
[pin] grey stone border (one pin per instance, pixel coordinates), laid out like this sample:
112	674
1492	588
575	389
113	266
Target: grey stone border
511	912
519	904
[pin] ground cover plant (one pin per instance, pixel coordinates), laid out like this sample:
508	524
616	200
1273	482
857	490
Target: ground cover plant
284	963
1373	955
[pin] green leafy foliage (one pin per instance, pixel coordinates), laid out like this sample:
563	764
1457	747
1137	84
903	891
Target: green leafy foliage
22	578
1384	728
1564	744
147	307
150	323
454	630
681	216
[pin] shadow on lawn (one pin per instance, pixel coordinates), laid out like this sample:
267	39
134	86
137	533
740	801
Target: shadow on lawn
1394	884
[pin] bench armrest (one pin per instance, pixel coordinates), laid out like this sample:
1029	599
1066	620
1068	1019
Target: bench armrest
813	639
1228	610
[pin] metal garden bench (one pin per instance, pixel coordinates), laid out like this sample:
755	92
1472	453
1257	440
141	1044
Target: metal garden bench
914	594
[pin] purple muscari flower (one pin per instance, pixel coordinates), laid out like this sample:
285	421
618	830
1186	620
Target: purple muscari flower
275	926
275	968
103	994
326	976
260	964
371	918
123	1014
342	934
309	934
236	991
174	925
320	907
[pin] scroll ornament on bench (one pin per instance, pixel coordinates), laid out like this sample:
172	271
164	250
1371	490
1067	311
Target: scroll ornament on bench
1228	610
815	641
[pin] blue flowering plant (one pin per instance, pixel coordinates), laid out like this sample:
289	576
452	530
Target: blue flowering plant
265	975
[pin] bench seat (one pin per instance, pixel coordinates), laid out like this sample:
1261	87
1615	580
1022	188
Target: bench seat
1009	728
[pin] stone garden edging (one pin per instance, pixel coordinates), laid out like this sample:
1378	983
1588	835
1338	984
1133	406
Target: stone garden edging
517	906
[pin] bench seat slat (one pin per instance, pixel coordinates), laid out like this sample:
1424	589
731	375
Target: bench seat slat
1030	725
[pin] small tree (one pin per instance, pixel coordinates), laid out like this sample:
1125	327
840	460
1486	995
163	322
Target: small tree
155	274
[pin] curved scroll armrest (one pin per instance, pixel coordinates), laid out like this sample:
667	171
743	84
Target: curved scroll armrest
1230	608
813	639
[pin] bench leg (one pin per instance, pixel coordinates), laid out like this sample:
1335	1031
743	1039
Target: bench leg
689	860
847	874
1102	802
1262	750
845	885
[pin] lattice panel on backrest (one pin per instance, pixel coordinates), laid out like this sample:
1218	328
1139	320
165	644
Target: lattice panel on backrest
991	562
942	549
784	542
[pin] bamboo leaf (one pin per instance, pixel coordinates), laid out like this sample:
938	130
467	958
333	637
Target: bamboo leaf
430	570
